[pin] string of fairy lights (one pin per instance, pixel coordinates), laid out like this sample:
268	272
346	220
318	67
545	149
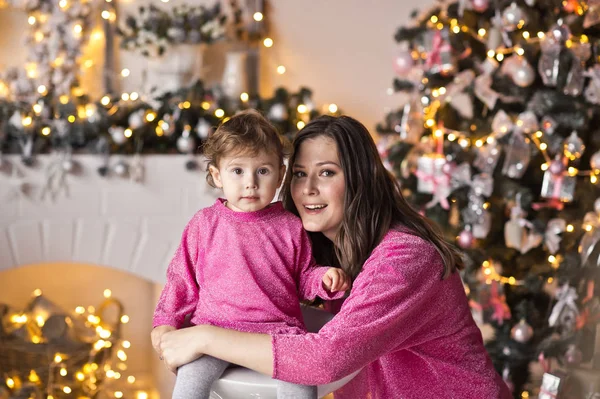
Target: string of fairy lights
101	367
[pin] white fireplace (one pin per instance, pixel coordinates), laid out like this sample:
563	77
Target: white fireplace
101	232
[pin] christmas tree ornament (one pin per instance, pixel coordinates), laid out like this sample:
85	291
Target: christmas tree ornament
552	237
513	17
120	168
439	59
433	173
487	157
519	233
403	62
595	161
136	119
557	184
576	77
186	143
480	5
518	155
573	146
523	74
549	62
528	122
203	129
501	123
592	15
592	91
117	133
465	239
521	332
552	385
573	356
482	185
565	310
278	112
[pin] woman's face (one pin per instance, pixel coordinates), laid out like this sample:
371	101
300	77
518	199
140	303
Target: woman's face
318	186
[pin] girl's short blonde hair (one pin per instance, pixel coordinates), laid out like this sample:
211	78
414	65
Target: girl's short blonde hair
246	133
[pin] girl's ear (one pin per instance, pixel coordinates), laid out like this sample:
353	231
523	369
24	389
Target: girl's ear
216	175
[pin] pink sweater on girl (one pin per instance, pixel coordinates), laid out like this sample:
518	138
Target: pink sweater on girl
409	331
242	270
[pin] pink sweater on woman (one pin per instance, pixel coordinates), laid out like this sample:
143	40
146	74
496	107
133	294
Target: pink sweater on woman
242	270
409	331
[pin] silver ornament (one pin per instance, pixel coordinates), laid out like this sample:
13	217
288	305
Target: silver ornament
523	75
203	129
513	16
278	112
120	168
136	119
167	124
521	332
595	160
118	134
186	143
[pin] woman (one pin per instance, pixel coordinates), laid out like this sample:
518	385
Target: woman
406	322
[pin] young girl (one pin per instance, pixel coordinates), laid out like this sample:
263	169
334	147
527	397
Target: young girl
244	262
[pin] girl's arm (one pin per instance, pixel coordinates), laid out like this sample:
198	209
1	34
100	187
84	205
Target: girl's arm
250	350
310	276
180	294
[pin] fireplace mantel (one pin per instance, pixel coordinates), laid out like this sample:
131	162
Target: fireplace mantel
109	221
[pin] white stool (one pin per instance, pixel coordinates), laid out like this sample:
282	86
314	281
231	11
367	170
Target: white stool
240	382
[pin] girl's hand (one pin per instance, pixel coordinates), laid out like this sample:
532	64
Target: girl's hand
180	347
336	280
156	336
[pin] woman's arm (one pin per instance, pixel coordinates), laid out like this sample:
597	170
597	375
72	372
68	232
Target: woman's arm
250	350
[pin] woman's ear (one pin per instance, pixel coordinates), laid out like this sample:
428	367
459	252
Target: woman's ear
216	175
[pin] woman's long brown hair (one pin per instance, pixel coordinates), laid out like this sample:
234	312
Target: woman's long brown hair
373	201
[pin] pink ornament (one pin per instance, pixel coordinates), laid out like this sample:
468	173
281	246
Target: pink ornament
480	5
466	239
403	63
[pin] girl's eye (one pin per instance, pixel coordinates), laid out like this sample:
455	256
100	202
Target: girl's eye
237	171
298	174
263	171
327	173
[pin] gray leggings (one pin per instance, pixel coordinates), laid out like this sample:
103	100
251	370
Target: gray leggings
195	379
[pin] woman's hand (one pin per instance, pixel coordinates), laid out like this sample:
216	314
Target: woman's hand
181	346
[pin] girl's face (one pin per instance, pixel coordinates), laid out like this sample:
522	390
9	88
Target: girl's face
318	186
249	182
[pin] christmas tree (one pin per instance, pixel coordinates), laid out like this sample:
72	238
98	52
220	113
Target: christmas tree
498	141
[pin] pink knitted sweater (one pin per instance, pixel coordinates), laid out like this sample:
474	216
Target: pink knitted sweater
409	331
242	270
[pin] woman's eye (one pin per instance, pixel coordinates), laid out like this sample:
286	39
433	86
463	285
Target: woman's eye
263	171
327	173
298	174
